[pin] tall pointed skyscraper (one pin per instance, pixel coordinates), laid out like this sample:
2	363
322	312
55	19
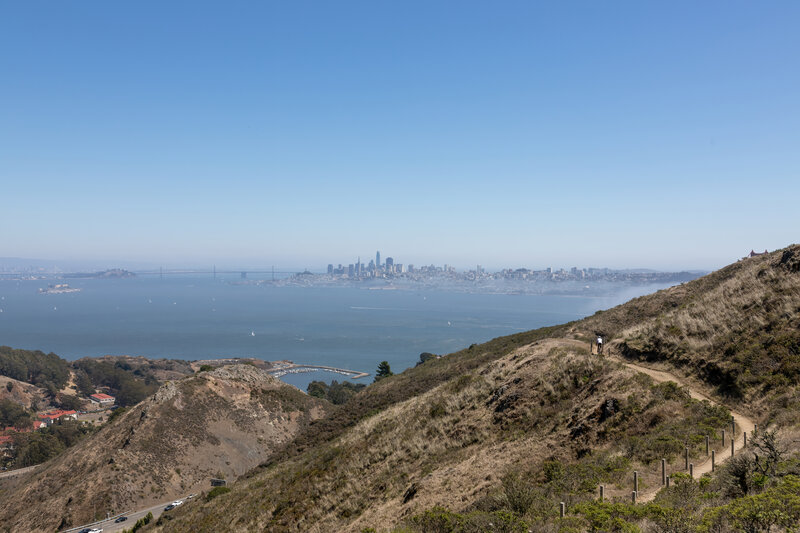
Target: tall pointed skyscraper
378	260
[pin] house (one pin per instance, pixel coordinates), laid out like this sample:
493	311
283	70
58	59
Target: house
52	416
39	425
102	399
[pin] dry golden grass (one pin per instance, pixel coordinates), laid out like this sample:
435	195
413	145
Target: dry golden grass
449	446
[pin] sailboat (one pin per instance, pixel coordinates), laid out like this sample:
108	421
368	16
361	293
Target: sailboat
252	333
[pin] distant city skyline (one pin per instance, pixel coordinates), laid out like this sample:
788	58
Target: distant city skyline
357	267
625	135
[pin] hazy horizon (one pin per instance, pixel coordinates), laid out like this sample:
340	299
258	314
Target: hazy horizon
76	265
630	135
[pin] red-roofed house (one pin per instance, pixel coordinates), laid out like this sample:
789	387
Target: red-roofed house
39	425
52	416
102	399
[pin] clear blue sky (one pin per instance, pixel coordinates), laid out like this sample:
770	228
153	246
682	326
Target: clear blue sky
622	134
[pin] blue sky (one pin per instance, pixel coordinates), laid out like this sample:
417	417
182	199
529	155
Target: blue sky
622	134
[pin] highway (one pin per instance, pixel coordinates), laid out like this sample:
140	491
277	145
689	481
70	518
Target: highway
19	471
109	526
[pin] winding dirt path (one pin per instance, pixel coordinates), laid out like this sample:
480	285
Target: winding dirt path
744	424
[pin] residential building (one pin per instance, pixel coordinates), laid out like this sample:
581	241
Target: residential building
50	417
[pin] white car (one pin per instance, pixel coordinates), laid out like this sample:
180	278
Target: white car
177	503
100	530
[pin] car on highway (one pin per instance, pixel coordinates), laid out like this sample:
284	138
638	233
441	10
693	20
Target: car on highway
169	507
120	519
177	503
96	530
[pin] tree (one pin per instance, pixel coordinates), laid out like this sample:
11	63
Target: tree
13	414
318	389
68	401
384	371
133	391
83	382
425	356
10	386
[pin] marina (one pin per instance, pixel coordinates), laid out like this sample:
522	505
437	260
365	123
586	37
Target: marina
301	369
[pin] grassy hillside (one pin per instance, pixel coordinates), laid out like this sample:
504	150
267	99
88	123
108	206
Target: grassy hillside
548	414
214	424
493	437
738	328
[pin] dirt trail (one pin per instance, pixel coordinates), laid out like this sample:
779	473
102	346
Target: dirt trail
744	423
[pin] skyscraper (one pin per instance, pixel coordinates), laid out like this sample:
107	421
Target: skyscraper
378	260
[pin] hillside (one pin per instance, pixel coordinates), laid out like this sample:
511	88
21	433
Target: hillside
213	424
493	437
737	329
24	394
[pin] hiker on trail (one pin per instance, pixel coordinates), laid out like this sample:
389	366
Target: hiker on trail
599	345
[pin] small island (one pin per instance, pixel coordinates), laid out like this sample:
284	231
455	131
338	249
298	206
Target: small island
59	288
112	273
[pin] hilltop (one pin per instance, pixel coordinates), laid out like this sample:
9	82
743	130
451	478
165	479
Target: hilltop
219	423
523	422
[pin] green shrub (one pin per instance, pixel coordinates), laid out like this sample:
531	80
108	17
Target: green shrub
140	524
116	413
216	491
778	506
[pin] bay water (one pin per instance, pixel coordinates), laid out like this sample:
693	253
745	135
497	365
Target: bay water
202	317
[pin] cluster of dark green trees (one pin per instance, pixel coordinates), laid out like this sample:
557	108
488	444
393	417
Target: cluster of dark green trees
45	370
36	447
13	414
336	393
339	393
131	385
51	373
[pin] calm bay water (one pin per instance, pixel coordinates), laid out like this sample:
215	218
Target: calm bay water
199	318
